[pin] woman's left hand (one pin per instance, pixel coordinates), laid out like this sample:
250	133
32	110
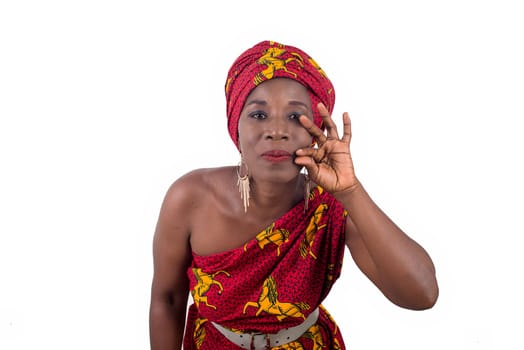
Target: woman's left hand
330	164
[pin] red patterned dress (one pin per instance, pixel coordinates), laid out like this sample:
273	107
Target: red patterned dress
272	282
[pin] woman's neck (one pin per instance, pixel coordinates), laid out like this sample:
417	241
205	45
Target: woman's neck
271	199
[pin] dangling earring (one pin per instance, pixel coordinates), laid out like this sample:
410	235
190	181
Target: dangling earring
243	185
307	188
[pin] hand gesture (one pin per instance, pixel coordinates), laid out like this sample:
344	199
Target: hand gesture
329	164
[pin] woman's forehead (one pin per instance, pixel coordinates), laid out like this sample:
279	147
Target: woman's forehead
281	88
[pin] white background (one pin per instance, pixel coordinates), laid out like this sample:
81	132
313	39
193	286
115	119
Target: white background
104	103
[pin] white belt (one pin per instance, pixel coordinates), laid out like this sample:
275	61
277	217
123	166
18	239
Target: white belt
261	341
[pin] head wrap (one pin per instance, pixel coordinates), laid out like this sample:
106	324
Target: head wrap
268	60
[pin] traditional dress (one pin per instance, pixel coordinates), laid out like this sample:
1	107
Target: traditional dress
272	282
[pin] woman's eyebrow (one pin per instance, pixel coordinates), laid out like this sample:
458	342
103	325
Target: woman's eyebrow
291	103
256	102
298	103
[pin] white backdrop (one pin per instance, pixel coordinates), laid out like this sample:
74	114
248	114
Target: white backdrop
104	103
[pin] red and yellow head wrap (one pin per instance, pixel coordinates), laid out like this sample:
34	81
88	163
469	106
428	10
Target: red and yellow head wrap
268	60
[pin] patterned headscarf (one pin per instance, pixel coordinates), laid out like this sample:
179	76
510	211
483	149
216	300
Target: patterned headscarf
267	60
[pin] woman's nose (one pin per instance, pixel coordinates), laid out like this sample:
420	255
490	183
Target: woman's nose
277	129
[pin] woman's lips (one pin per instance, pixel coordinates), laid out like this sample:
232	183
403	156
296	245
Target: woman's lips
276	156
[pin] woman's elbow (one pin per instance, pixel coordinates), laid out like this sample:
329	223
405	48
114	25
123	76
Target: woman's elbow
428	300
426	297
416	294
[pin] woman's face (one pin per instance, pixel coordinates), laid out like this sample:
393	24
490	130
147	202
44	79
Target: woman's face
269	131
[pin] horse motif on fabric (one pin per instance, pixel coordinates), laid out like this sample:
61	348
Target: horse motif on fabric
268	302
311	231
270	235
199	334
273	61
205	282
314	334
294	345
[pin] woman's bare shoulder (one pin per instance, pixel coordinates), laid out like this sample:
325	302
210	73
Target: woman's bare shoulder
199	183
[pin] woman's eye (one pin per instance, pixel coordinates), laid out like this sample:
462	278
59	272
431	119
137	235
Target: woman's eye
294	116
257	115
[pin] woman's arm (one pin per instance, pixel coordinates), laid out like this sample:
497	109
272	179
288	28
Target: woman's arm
398	266
395	263
172	256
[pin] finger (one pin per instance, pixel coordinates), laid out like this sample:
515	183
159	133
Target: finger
347	127
331	128
317	154
309	163
312	129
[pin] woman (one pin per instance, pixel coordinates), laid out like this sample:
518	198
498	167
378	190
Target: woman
259	263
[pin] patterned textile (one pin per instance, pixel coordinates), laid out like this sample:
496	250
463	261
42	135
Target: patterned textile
268	60
272	282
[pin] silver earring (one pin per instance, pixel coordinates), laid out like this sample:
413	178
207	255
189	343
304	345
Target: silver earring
243	185
307	188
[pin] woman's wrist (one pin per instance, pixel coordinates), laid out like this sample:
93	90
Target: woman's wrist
347	195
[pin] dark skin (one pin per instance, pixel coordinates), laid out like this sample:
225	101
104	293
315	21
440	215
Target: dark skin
277	116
